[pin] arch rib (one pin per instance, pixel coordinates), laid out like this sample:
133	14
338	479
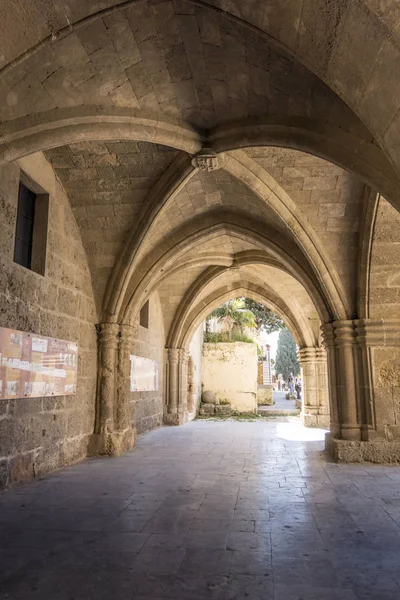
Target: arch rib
171	182
207	230
246	170
344	149
196	317
60	127
178	327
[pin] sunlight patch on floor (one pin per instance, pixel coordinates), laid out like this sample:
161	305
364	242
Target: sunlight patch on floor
294	431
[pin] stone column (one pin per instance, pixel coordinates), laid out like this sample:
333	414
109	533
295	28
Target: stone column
108	345
107	360
176	388
113	434
122	413
183	385
190	398
367	374
345	341
173	381
328	340
315	410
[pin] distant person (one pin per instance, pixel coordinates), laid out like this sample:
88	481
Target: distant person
297	387
291	383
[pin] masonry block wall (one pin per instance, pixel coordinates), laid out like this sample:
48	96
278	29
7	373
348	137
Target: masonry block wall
41	434
147	407
384	306
385	264
230	371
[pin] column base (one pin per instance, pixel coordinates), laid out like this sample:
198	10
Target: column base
112	444
377	451
317	421
175	418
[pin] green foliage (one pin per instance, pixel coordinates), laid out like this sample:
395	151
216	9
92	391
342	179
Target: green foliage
286	355
234	316
265	319
224	336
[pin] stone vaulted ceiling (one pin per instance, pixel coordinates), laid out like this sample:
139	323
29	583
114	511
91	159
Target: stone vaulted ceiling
174	58
107	184
207	66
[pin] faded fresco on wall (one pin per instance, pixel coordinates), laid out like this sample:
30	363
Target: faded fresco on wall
34	366
144	374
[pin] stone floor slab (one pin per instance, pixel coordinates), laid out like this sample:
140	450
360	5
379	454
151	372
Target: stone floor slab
216	510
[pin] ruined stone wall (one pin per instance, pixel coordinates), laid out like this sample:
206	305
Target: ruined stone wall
147	407
195	373
41	434
230	371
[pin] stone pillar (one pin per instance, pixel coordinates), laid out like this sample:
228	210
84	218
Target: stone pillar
176	387
315	410
368	336
108	438
190	396
367	374
183	384
347	365
122	410
328	340
107	360
173	381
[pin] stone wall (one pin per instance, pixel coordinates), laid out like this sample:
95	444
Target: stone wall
195	373
385	264
147	407
265	395
41	434
230	371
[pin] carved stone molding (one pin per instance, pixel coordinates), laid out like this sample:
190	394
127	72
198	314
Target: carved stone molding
311	355
378	333
109	335
183	355
366	332
345	333
207	160
128	335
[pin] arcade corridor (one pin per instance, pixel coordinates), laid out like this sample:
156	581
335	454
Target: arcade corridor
208	510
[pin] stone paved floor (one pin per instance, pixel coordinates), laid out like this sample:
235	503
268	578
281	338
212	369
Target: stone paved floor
281	405
210	510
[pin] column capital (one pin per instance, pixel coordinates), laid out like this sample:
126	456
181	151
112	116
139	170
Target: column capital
109	334
328	335
173	355
128	334
183	355
345	333
310	354
367	332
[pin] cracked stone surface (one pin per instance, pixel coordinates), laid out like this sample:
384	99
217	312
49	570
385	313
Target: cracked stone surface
210	510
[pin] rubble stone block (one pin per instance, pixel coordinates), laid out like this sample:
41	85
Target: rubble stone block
223	409
207	409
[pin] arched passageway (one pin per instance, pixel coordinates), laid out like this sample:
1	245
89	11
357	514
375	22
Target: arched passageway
179	153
